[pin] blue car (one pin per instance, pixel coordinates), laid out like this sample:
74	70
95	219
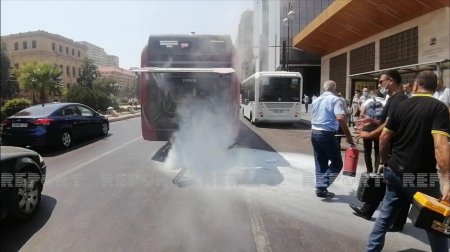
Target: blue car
55	124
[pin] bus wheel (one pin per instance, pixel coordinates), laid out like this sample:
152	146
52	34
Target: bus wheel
251	118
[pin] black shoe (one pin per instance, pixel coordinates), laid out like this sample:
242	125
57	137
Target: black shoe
324	194
395	229
359	212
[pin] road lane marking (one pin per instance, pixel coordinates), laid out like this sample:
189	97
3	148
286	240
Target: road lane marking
73	169
259	231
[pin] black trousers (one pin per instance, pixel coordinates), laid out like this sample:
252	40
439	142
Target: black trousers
367	143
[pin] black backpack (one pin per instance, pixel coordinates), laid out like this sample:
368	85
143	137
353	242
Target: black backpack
375	110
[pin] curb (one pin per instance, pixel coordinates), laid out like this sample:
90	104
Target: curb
120	118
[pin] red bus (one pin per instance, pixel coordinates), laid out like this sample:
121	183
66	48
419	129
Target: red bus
176	66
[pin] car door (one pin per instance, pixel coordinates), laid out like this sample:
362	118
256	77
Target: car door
72	120
90	123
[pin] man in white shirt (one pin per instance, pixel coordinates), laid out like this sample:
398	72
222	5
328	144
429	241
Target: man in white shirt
442	93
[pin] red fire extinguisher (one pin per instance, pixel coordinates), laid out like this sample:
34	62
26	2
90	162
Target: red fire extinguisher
350	161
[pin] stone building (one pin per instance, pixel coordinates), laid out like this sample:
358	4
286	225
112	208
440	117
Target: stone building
42	46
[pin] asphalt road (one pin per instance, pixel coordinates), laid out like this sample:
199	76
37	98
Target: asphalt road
111	194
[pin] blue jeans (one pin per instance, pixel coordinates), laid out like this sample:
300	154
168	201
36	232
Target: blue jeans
326	149
396	195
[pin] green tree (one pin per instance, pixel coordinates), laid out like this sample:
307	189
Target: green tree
82	95
105	84
8	83
89	73
41	78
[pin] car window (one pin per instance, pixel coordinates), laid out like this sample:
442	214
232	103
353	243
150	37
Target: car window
71	110
85	111
38	110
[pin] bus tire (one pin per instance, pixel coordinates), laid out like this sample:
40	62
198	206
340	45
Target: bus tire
251	119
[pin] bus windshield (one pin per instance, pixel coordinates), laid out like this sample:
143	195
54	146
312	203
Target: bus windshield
276	89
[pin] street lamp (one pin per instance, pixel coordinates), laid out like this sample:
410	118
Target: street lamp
290	14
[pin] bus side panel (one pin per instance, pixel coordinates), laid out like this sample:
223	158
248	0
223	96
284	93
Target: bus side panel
148	130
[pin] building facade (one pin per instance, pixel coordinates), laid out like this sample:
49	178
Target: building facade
112	61
244	45
270	33
126	80
378	35
98	55
41	46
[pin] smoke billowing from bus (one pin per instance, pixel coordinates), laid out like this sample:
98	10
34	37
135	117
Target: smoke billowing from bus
204	135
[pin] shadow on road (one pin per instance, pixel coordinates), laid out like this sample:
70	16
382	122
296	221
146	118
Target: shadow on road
249	139
304	125
15	234
80	143
260	159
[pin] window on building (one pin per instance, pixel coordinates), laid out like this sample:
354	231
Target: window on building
16	66
16	46
73	52
53	46
79	71
79	53
68	85
73	71
362	59
338	71
399	49
67	50
60	48
24	45
33	44
67	70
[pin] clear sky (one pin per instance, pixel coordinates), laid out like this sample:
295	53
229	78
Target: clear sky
122	27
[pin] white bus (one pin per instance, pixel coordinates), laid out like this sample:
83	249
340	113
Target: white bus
272	97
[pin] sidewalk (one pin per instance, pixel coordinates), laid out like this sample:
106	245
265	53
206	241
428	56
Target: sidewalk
123	116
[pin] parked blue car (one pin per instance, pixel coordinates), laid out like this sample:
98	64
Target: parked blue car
56	124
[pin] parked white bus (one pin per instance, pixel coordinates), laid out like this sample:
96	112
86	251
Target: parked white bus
272	97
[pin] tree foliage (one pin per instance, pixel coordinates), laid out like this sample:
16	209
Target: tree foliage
15	105
82	95
41	78
95	99
8	83
105	84
89	73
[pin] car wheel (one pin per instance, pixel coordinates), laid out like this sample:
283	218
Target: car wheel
65	139
105	129
25	197
251	118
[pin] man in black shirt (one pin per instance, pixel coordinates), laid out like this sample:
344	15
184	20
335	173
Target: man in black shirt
390	80
416	134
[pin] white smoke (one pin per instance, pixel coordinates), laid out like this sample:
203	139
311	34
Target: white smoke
205	134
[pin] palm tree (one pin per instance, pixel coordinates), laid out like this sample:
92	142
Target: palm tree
41	78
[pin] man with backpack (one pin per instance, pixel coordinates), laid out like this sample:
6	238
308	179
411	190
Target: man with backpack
373	108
